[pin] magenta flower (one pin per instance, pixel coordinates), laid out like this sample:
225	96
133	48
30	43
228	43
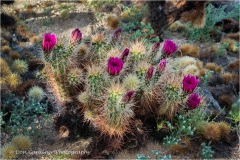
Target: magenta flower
169	47
155	47
189	83
128	96
149	73
124	55
115	65
193	101
76	36
116	34
49	41
161	66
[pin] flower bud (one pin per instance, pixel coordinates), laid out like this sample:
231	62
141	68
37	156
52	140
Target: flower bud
124	55
116	34
161	66
149	73
127	96
76	36
193	101
155	47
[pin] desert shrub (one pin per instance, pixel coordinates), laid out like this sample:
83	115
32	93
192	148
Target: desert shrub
222	49
93	4
64	14
206	151
22	114
234	113
133	23
213	15
184	127
157	155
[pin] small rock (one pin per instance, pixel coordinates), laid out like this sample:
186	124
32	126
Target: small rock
17	48
29	46
116	10
36	63
107	7
221	60
212	104
50	141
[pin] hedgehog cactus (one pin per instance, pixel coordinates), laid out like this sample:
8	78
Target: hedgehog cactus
74	76
116	82
20	66
95	80
118	108
76	36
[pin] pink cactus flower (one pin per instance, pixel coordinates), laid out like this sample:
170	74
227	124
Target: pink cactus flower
189	83
149	73
124	55
76	36
115	65
116	34
155	47
193	101
128	96
49	41
169	47
161	65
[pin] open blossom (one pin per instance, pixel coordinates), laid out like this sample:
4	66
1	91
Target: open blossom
193	101
115	65
169	47
149	73
189	83
49	41
76	36
155	47
161	66
127	96
116	34
124	55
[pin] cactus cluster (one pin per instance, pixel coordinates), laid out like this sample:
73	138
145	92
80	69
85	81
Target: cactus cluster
36	93
120	82
18	143
12	68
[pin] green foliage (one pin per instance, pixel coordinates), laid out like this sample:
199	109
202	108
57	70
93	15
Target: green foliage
64	14
157	156
235	113
47	20
2	122
23	113
213	15
64	6
47	11
183	127
94	4
206	77
148	30
135	16
206	151
134	26
170	140
222	49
